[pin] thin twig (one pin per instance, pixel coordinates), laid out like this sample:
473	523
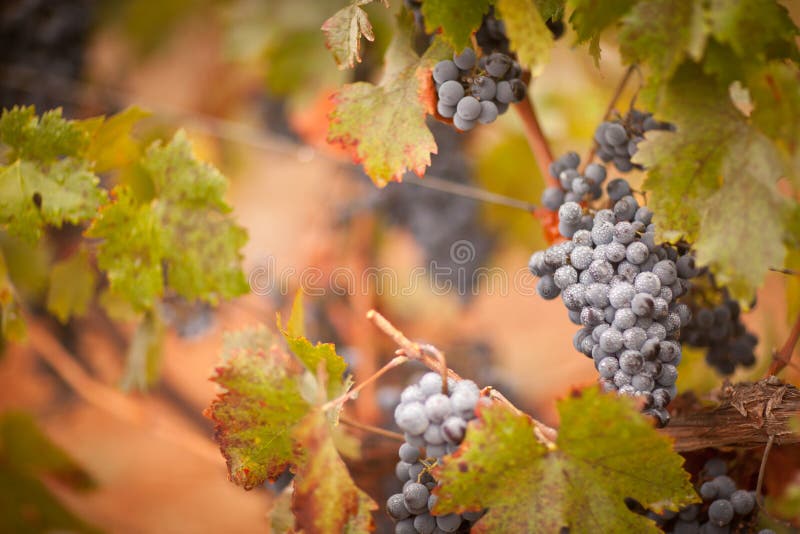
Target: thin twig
468	191
789	272
353	393
784	356
536	139
763	468
439	355
373	429
613	102
546	434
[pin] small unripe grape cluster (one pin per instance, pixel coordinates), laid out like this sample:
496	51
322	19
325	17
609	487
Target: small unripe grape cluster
434	421
724	509
621	287
474	90
718	327
572	185
618	140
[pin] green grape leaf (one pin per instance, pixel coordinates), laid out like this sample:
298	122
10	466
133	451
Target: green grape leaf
12	324
145	352
605	451
530	38
457	19
383	126
771	34
662	33
44	139
132	249
31	196
716	156
311	356
110	143
184	236
343	33
295	327
72	283
590	17
26	504
775	92
325	497
260	405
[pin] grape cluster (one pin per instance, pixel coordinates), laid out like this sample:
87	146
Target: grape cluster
719	328
621	287
572	186
491	35
618	140
473	90
724	509
434	421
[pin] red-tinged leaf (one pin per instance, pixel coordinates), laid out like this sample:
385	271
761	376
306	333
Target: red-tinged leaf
261	404
383	126
605	451
343	33
325	497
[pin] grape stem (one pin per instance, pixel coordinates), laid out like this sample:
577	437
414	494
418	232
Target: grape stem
434	360
783	357
373	429
353	393
468	191
611	104
536	139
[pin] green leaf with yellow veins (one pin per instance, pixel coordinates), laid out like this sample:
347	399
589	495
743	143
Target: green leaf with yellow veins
383	126
590	17
605	452
739	250
457	19
550	9
343	33
31	196
44	139
771	34
661	34
530	38
325	497
72	283
111	145
132	249
258	409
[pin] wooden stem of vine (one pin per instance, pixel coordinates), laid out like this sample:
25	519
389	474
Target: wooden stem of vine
536	139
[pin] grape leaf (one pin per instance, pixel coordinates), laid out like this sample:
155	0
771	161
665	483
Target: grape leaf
343	33
31	196
457	19
605	451
662	33
771	34
383	126
183	236
72	283
325	497
590	17
110	143
26	504
12	325
775	92
716	156
260	405
44	139
550	9
530	38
